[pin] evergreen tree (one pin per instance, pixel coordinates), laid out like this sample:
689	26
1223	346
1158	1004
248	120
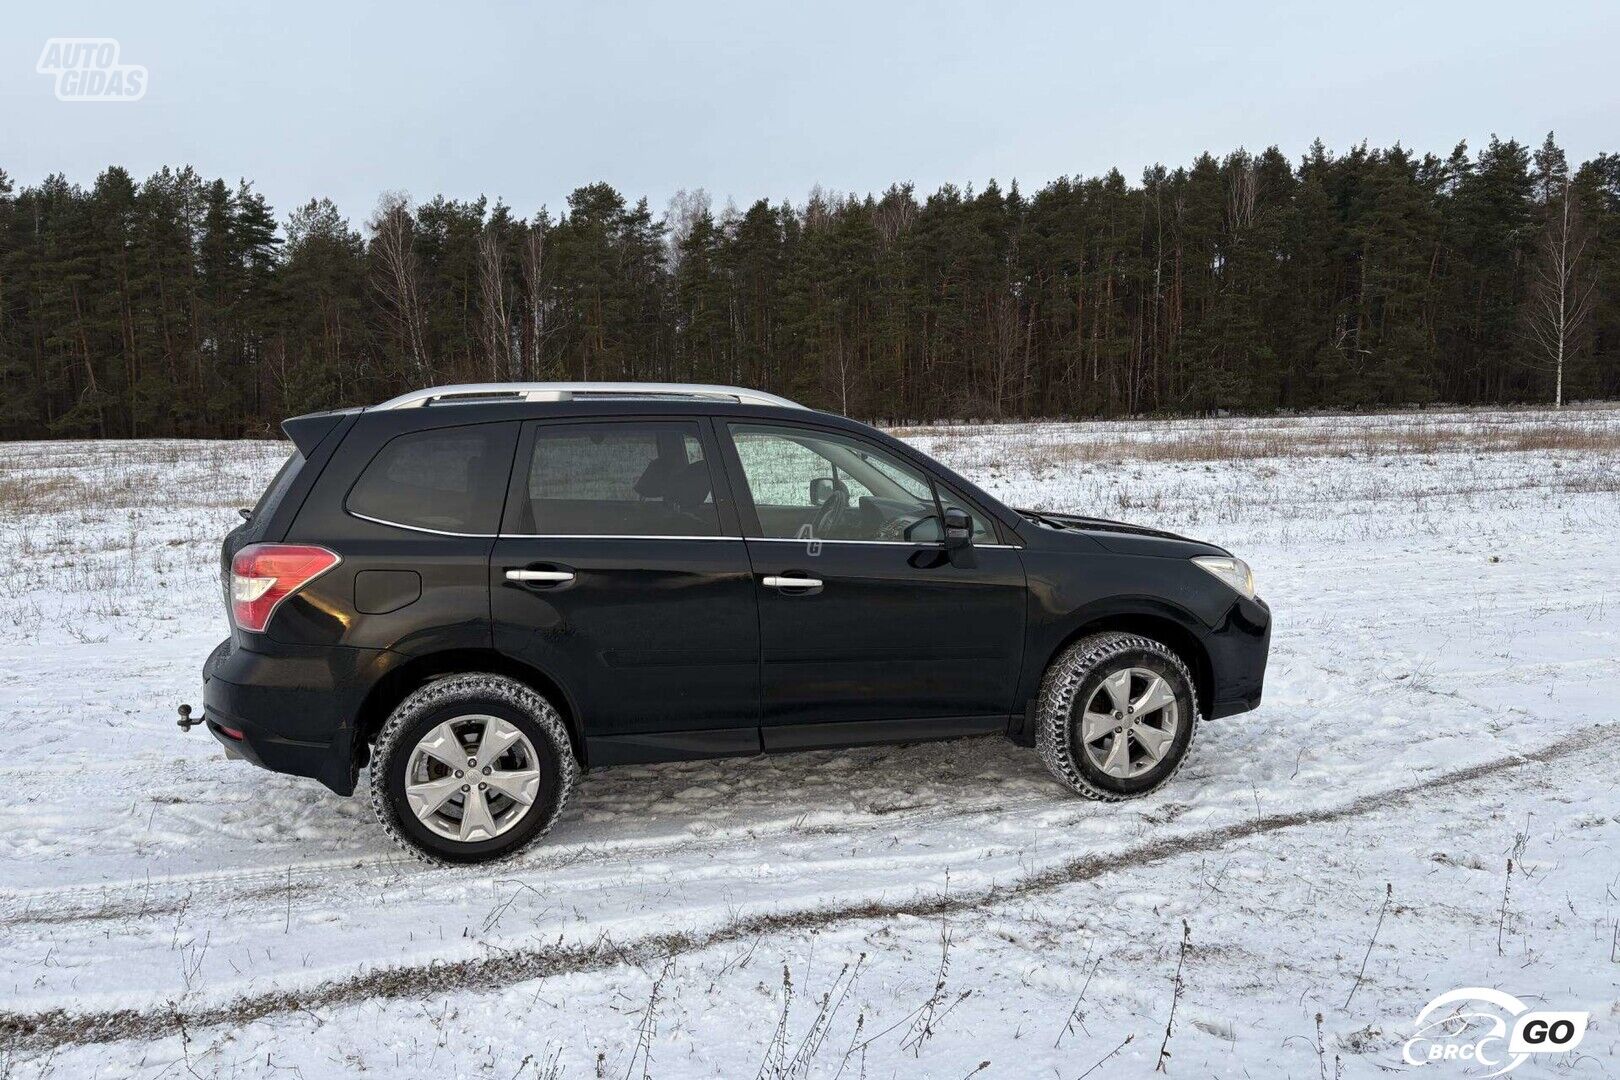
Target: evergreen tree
1369	278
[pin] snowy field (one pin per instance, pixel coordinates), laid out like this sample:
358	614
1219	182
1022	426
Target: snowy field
1442	699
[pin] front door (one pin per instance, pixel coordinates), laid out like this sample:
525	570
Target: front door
620	573
869	631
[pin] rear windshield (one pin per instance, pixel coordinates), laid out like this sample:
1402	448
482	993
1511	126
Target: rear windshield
448	480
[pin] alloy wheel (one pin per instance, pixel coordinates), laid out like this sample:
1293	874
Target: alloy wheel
472	778
1130	723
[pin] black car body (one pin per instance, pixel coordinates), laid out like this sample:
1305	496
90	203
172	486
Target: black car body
667	625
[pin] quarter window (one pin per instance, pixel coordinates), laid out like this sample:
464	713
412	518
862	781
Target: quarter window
619	479
445	480
981	527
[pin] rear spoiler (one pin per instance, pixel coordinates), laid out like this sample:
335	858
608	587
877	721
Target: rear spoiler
308	430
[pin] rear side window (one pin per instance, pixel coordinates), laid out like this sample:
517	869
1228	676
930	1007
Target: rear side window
623	478
445	480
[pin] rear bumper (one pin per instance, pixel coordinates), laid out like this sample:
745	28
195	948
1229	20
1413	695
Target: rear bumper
294	707
319	761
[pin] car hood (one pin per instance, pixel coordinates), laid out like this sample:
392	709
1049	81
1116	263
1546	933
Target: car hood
1123	537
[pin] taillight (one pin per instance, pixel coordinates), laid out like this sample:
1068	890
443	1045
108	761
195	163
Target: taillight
263	575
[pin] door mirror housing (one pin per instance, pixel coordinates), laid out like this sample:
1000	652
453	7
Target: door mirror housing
821	489
958	527
959	537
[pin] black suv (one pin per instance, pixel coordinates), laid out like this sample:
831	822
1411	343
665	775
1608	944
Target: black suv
479	590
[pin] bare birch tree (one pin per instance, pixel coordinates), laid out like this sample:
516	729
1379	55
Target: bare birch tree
1563	287
532	259
496	322
685	208
1243	193
1006	324
398	281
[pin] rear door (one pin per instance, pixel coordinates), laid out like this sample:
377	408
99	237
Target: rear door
869	631
621	573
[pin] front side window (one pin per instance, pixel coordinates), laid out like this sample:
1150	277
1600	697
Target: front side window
816	486
623	478
443	480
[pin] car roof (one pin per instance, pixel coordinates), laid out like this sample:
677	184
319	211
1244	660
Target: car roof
485	411
575	391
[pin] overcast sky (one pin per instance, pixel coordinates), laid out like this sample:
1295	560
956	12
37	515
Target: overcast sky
527	102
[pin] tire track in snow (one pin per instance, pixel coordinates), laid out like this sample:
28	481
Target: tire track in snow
157	896
162	895
41	1031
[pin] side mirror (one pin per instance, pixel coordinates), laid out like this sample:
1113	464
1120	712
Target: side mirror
821	489
959	537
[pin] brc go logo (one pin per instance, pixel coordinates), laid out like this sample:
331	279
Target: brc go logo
87	69
1448	1031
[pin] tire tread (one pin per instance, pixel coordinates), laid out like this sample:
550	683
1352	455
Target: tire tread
466	686
1056	702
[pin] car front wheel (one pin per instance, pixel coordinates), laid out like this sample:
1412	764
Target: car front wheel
471	768
1116	717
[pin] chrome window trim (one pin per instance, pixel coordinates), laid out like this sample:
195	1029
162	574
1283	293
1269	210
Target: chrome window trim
659	536
887	543
610	536
418	528
758	539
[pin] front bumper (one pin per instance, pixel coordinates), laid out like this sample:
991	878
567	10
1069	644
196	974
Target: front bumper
294	707
1238	649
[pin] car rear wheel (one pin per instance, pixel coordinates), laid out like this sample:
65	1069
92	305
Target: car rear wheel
1116	717
471	768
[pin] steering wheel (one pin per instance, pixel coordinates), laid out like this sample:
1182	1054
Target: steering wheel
834	508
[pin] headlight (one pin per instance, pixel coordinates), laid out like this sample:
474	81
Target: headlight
1235	572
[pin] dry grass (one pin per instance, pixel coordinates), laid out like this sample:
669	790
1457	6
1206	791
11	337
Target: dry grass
92	532
45	478
32	493
42	478
1214	442
1252	446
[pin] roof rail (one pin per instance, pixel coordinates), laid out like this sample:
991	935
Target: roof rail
473	393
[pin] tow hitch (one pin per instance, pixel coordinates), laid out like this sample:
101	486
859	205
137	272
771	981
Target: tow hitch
231	736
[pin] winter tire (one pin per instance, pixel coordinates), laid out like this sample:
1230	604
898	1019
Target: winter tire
471	768
1116	716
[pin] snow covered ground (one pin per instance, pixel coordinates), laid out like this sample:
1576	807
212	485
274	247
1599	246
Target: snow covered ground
1442	698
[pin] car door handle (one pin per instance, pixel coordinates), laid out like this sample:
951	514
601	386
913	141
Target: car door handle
550	577
783	582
